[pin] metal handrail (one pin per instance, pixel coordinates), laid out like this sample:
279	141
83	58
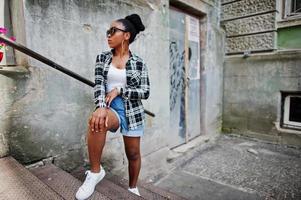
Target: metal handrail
50	63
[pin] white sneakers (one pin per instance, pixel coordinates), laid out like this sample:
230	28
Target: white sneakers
88	187
134	190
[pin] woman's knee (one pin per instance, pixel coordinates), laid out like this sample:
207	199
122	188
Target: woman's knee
101	130
113	121
133	154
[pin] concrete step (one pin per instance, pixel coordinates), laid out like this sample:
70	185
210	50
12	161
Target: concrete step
16	182
147	190
62	182
50	182
107	187
120	186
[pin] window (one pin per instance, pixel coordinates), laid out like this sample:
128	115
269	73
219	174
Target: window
291	110
292	9
296	7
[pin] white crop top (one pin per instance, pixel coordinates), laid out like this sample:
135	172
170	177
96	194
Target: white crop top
116	78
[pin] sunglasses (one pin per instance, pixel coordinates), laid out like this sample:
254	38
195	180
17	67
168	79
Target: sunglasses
113	30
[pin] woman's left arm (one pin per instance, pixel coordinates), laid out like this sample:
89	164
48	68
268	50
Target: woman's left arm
142	90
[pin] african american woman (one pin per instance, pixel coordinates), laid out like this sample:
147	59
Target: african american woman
121	82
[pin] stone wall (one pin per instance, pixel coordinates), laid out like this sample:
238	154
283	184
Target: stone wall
250	25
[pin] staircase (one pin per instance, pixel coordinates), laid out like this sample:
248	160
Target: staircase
50	182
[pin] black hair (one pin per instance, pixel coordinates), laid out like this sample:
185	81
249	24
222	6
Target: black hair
133	24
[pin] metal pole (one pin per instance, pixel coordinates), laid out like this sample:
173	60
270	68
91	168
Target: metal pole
52	64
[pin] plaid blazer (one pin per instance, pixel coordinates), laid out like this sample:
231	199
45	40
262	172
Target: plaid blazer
137	86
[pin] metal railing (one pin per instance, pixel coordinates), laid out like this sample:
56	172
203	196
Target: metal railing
50	63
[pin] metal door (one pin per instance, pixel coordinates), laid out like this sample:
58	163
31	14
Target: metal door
193	78
184	77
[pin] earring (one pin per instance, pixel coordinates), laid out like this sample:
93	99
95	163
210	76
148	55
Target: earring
122	48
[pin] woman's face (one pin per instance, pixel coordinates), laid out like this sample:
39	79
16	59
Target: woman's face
116	36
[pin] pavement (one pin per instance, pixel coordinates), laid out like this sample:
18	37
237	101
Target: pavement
233	167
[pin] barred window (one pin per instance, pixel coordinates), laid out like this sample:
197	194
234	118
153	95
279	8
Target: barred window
292	8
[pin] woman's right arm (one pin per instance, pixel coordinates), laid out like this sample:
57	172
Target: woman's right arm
99	88
100	114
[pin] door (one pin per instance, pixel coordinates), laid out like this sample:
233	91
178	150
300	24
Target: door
193	86
184	50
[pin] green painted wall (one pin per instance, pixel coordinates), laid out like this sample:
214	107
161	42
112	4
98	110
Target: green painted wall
289	38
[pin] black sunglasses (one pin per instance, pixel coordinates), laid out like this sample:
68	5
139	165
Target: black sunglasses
113	30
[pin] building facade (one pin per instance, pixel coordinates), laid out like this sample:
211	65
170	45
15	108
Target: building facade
44	113
230	66
262	70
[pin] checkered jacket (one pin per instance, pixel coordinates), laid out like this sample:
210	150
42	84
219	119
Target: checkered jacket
137	86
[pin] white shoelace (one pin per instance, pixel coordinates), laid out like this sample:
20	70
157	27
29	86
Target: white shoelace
88	179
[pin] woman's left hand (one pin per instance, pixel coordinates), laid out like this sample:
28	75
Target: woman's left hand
110	96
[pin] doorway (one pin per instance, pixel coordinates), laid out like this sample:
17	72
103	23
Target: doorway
184	51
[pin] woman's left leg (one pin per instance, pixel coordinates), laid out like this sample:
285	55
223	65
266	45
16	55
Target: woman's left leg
132	150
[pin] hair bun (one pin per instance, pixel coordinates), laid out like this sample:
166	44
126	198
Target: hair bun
136	21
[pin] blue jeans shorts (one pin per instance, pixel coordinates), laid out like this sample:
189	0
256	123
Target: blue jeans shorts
117	106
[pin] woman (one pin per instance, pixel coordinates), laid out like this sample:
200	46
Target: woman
121	81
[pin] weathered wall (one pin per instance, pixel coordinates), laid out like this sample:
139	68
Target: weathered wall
5	101
51	109
250	25
252	94
212	75
252	84
8	80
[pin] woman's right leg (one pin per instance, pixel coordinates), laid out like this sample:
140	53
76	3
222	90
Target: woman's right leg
96	141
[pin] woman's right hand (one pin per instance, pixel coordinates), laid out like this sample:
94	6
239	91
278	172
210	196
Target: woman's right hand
98	120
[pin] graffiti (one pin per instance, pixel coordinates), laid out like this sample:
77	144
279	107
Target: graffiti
177	84
177	74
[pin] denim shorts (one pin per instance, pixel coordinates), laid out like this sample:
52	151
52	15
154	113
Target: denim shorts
117	106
